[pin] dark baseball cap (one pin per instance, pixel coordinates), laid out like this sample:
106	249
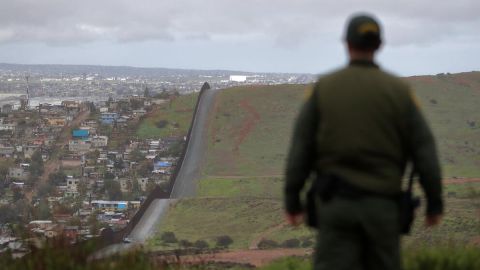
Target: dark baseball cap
363	32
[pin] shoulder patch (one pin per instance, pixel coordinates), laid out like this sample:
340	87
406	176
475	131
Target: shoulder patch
308	92
414	98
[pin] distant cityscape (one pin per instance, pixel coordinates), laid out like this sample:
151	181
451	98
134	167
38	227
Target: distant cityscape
55	83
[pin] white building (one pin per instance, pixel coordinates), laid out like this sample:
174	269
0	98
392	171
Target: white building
20	173
238	78
99	141
78	146
72	184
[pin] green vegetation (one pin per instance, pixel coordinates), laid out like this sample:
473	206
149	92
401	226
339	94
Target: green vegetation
241	187
451	103
170	119
242	219
442	258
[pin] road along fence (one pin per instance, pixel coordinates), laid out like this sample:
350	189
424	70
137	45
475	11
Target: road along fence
107	236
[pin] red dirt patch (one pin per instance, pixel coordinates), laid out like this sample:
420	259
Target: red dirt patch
256	258
461	181
248	123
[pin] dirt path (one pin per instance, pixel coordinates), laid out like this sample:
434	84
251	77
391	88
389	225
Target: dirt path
53	163
243	177
256	258
461	181
248	123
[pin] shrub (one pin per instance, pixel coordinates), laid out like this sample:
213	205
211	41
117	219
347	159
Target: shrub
307	243
442	258
162	123
201	244
168	237
224	241
266	244
185	243
291	243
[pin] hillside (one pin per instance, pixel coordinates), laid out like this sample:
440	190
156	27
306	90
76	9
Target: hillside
251	128
249	133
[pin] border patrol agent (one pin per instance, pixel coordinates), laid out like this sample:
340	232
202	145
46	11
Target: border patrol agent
361	126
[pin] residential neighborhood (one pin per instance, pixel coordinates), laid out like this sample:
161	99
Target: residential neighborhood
74	168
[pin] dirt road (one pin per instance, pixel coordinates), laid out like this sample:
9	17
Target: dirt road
256	258
53	163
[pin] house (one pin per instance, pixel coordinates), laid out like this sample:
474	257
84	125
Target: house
159	101
139	112
109	205
61	217
56	121
39	140
70	104
143	182
18	185
20	173
29	150
7	151
72	184
162	165
89	171
79	147
7	127
124	185
122	121
51	233
7	108
40	224
90	123
108	118
99	141
80	134
71	233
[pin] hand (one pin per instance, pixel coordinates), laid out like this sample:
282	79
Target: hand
294	219
433	220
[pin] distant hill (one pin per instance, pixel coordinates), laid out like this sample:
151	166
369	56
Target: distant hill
250	130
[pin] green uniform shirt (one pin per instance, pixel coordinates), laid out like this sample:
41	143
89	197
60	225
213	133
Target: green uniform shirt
363	125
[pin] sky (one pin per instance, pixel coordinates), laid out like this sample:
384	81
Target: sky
294	36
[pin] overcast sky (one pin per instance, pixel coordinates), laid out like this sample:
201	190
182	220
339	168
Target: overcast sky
421	37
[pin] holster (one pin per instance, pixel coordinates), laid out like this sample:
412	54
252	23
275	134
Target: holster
407	206
323	188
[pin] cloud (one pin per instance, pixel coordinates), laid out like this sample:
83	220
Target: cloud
283	23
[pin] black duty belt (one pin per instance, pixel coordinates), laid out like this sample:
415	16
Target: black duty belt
347	190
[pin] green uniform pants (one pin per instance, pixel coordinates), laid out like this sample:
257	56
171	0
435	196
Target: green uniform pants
358	234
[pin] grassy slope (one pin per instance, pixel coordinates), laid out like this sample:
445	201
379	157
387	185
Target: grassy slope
450	102
249	137
179	111
250	132
262	150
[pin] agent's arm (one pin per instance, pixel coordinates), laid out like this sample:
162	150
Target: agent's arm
301	158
